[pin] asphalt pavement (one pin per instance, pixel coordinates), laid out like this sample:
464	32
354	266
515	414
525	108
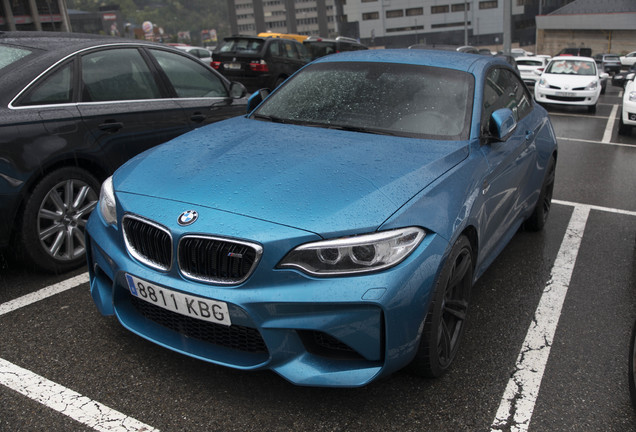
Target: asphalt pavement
545	349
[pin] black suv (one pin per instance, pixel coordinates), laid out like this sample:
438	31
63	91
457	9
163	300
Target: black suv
319	47
259	62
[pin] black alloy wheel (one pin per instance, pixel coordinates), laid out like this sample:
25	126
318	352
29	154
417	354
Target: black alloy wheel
446	319
539	216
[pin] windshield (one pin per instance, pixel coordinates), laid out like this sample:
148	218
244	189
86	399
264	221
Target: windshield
384	98
572	67
10	54
529	62
242	45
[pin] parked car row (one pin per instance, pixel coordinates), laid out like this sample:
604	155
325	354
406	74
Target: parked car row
75	107
265	61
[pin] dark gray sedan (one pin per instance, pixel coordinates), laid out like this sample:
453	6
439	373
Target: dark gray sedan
75	107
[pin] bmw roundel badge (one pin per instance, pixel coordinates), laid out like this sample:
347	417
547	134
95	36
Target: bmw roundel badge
188	217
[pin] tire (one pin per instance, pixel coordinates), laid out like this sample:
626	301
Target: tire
55	217
541	211
623	129
445	321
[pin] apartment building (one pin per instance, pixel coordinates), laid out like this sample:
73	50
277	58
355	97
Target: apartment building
393	23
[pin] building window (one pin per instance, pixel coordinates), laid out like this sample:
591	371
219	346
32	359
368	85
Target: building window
395	13
439	9
489	4
415	11
459	7
370	16
444	25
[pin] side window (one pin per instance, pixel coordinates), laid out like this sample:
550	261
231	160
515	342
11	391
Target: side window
503	89
54	88
274	49
290	50
190	78
117	74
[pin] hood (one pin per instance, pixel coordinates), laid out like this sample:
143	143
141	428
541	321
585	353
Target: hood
569	81
319	180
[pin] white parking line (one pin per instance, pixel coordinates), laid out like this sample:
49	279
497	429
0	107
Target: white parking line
517	405
43	293
607	135
67	402
53	395
596	142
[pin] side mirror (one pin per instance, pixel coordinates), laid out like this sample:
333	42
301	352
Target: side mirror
256	99
604	75
502	124
237	90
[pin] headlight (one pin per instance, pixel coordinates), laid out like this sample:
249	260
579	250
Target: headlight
632	96
543	82
107	205
354	255
592	85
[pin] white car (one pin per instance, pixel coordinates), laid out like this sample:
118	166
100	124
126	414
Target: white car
528	67
628	60
570	81
628	112
202	54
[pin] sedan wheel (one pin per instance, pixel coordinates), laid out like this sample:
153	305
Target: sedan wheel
446	318
55	217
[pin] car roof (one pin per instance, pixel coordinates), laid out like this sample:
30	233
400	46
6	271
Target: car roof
59	41
541	59
566	57
444	59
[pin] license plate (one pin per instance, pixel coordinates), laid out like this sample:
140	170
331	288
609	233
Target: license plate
566	94
232	66
175	301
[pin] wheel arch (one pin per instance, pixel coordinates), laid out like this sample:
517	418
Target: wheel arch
93	167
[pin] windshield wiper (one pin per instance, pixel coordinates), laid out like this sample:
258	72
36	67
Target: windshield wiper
360	129
270	118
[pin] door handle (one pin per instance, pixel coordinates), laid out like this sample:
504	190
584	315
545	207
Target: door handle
529	135
111	125
197	117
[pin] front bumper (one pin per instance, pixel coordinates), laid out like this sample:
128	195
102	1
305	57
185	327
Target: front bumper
566	97
629	113
340	332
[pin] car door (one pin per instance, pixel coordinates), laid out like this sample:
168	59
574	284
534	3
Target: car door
292	56
201	93
124	105
46	124
510	161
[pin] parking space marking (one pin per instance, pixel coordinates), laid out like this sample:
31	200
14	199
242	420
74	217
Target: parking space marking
596	142
514	412
43	293
67	402
607	135
519	398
